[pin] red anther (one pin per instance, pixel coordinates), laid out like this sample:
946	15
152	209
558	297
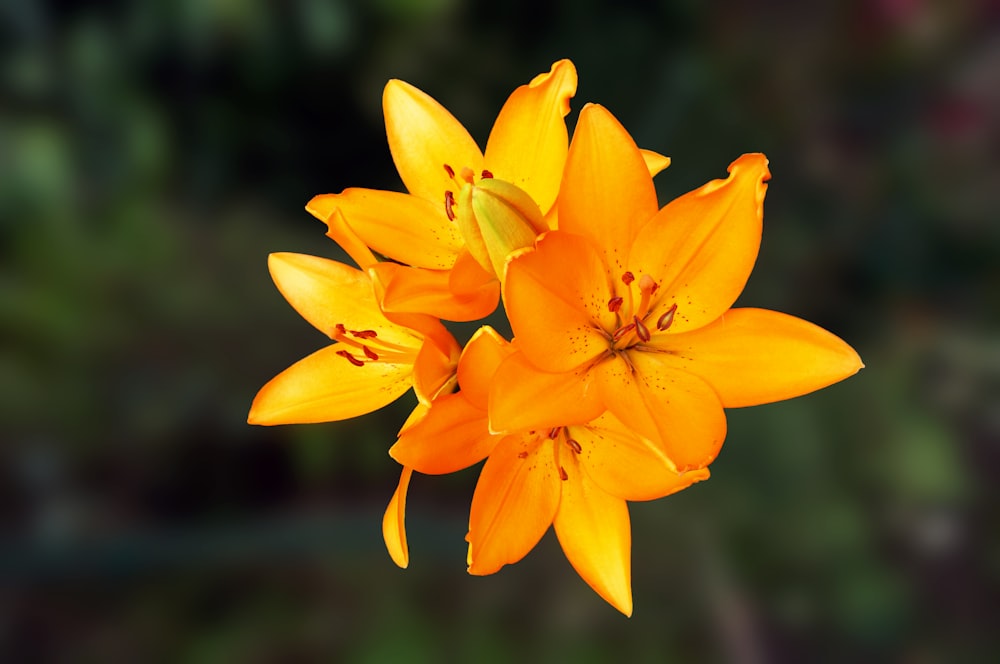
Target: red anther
449	203
369	353
641	329
646	284
628	278
667	318
449	170
364	334
341	330
573	445
562	474
522	455
553	432
614	304
350	358
622	331
487	174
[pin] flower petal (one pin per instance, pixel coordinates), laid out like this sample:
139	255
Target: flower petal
394	522
672	408
479	362
607	191
595	534
453	435
340	232
755	356
655	161
523	398
434	370
514	502
423	138
627	465
405	228
556	296
701	247
527	146
325	387
417	290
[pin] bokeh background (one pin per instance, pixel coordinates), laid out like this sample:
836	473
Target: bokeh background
153	153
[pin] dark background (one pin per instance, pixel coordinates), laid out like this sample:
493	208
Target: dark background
153	153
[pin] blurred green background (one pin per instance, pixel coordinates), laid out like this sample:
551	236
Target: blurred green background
153	153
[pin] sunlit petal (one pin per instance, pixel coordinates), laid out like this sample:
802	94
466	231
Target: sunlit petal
394	522
528	144
655	161
702	246
340	232
594	532
423	138
452	436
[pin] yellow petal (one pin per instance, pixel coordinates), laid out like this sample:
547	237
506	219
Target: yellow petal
417	290
514	502
755	356
479	362
524	398
325	387
423	138
675	409
627	465
453	435
701	247
340	232
405	228
556	298
655	161
327	293
528	144
594	532
394	523
607	191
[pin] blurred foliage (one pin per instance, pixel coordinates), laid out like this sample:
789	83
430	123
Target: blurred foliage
151	155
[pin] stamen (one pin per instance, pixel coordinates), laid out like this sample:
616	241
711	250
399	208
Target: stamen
646	284
614	304
369	353
667	318
487	174
641	329
364	334
341	330
350	358
573	445
562	474
622	331
449	203
628	278
467	174
553	432
450	171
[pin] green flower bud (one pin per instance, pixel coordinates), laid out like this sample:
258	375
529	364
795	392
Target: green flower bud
496	218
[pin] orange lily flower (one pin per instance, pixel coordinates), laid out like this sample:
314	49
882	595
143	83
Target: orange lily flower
627	306
435	157
576	478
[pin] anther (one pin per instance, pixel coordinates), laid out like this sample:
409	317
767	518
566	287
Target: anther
364	334
553	432
640	329
667	318
628	278
449	203
350	358
449	170
562	474
369	353
622	331
614	304
487	174
573	445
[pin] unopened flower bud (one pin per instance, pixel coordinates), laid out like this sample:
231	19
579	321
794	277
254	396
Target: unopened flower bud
496	218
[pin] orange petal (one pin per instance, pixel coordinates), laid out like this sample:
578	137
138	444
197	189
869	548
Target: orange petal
607	191
655	161
755	356
627	465
523	398
479	362
340	232
453	435
405	228
514	502
594	532
556	297
701	247
434	370
325	387
528	144
423	138
416	290
394	522
672	408
327	293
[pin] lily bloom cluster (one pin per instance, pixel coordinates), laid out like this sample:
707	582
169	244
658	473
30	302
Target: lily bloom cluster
626	348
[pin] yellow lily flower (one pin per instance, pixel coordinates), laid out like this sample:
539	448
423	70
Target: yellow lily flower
436	157
575	478
627	306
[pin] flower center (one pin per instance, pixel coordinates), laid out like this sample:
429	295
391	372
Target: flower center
632	312
465	176
370	348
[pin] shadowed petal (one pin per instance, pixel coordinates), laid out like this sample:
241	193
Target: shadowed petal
528	144
451	436
416	290
325	387
423	137
479	363
594	532
514	502
701	247
340	232
755	356
394	522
